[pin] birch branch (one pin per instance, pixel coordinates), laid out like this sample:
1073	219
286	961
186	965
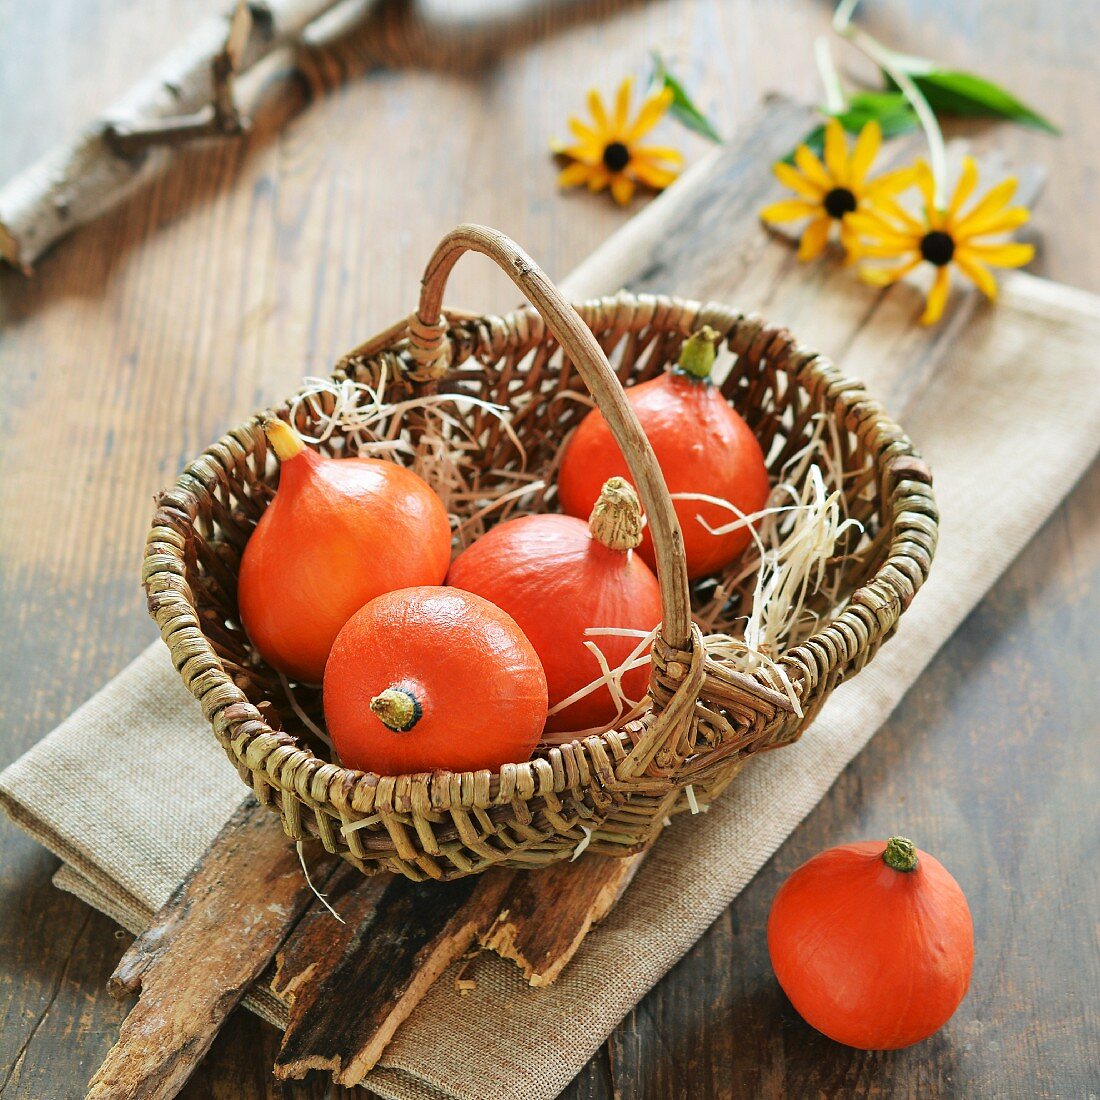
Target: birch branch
189	94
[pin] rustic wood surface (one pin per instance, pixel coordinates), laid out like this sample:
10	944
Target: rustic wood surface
345	1006
200	955
149	332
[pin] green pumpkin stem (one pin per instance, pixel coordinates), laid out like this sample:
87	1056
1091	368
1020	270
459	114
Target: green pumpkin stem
900	854
699	352
397	709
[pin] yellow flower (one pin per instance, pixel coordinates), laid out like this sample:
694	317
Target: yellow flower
945	237
606	152
833	191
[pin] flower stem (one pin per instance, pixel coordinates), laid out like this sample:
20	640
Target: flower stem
896	66
830	78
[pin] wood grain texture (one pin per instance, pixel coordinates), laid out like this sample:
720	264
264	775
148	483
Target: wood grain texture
347	1003
120	360
201	952
546	914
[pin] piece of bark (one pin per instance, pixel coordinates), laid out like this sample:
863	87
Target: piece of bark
547	913
202	950
349	987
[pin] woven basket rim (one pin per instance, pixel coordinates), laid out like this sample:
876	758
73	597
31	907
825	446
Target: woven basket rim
293	767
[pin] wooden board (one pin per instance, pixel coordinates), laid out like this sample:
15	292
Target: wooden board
115	347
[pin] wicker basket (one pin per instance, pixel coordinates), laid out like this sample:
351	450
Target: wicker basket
703	718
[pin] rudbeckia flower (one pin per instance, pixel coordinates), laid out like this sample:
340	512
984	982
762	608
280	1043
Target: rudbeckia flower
833	191
607	153
945	237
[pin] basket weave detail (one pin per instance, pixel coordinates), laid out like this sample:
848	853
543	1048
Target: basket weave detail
704	718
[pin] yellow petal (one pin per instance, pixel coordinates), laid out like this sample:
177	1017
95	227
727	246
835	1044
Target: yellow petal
994	200
599	178
814	238
884	276
622	190
622	107
812	168
584	153
574	175
1003	255
598	112
652	175
887	250
1000	221
585	134
796	181
650	114
890	183
657	152
937	297
788	210
927	187
968	180
836	151
883	205
977	273
867	147
869	224
849	241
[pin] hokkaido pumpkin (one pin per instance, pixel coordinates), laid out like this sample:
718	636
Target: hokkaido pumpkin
703	446
558	576
433	678
339	532
873	943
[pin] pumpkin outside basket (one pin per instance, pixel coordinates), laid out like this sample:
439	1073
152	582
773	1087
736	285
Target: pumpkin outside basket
703	718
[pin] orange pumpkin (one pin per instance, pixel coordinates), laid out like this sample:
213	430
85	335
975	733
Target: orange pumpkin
433	678
703	446
873	943
557	576
339	532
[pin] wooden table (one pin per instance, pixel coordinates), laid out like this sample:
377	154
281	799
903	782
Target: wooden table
149	332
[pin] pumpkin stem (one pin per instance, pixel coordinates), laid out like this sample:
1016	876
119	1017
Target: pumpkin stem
616	520
901	854
397	708
699	352
284	440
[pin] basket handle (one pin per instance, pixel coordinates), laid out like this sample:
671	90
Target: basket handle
428	346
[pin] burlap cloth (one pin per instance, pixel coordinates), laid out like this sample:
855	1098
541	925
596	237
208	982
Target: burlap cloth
1009	420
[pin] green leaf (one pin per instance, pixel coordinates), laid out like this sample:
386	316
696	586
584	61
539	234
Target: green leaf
970	96
682	108
890	109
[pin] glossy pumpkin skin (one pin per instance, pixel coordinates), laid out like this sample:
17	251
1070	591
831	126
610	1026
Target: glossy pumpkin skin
875	958
477	680
702	445
338	533
556	580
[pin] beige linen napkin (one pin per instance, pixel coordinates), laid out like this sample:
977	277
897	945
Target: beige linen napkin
1009	420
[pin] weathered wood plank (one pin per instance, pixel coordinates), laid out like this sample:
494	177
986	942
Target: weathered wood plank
204	948
348	996
546	914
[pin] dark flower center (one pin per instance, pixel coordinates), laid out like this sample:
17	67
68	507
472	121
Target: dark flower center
839	201
616	156
937	247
